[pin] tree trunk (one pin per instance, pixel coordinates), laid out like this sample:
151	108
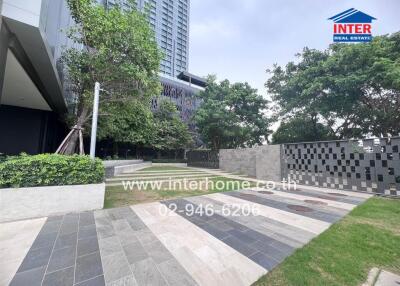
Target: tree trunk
73	140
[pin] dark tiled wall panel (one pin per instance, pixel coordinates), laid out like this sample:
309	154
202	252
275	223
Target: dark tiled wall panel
369	165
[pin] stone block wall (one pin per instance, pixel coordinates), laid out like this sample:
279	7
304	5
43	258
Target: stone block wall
261	162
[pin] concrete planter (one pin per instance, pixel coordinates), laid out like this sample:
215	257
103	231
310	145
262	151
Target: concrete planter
23	203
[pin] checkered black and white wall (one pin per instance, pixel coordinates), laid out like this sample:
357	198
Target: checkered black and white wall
369	165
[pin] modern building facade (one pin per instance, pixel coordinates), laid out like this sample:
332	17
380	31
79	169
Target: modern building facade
183	94
32	95
170	21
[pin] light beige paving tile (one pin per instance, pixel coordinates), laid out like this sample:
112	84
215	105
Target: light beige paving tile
306	223
207	259
15	240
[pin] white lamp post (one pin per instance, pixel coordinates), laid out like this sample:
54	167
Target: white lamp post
94	120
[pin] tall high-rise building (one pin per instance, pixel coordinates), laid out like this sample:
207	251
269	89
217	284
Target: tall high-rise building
170	21
33	95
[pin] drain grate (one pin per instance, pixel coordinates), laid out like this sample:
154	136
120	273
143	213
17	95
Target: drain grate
314	202
338	194
299	208
266	192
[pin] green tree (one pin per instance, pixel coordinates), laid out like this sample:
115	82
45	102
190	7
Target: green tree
354	89
130	122
171	133
301	129
119	51
232	115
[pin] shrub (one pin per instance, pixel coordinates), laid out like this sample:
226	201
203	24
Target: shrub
50	170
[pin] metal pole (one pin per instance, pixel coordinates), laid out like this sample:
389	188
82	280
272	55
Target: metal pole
94	120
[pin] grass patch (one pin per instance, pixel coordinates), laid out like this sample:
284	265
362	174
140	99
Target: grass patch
343	255
116	196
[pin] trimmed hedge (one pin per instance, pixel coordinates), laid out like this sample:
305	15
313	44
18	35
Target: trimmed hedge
50	170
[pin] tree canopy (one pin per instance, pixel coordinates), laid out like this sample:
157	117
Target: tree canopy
301	129
171	133
353	89
232	115
115	47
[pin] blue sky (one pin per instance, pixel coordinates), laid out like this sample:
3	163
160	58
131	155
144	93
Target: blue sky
240	39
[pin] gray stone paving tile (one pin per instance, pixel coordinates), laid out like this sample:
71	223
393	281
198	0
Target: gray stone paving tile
238	245
31	277
127	236
157	251
105	231
87	231
87	245
283	247
102	221
145	236
69	226
62	258
316	194
263	260
135	223
174	273
278	254
243	236
260	224
258	236
87	267
135	252
214	231
97	281
51	226
72	217
323	216
35	258
115	267
66	240
109	245
116	214
44	240
86	218
125	281
64	277
146	273
120	225
55	218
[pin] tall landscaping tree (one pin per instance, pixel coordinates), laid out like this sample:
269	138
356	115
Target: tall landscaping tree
301	129
171	133
128	122
232	115
353	89
115	47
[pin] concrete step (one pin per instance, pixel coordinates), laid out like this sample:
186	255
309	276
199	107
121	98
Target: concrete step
116	179
145	175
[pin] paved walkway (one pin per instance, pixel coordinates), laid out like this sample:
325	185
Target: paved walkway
177	242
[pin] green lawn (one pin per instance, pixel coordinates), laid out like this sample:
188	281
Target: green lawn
116	196
343	255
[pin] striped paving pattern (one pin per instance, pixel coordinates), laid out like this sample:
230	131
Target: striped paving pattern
165	243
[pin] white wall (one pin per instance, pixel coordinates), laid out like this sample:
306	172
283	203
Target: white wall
23	203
